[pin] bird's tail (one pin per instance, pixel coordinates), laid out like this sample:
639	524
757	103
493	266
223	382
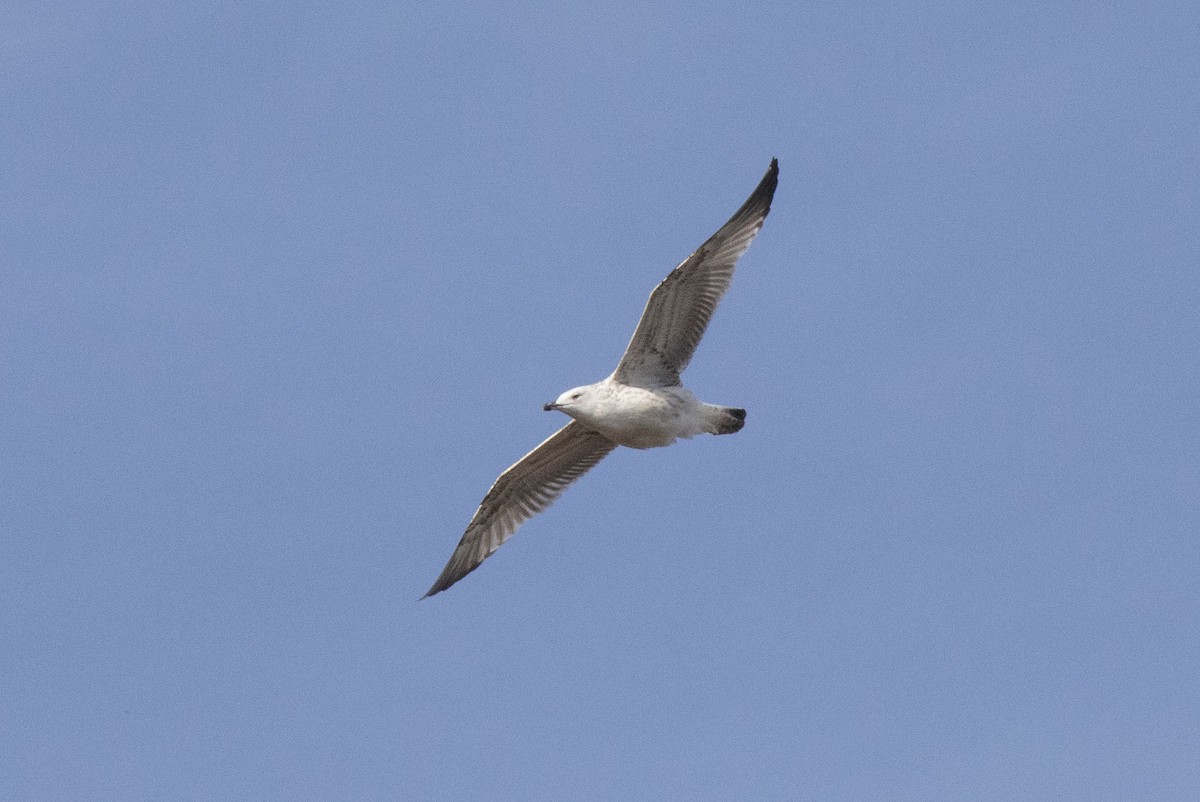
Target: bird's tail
725	420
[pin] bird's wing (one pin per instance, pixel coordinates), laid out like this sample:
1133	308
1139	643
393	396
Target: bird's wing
525	489
681	306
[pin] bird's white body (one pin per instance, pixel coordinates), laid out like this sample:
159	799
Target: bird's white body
638	417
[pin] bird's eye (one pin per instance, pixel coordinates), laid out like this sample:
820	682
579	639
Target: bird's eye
574	396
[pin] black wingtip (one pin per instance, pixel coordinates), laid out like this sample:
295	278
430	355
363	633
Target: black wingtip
451	574
759	202
443	583
770	180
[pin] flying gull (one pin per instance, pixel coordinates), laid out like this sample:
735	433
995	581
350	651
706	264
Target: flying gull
641	405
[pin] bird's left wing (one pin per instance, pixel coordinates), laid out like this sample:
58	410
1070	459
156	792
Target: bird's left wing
681	306
521	492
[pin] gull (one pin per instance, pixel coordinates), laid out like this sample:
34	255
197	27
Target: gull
641	405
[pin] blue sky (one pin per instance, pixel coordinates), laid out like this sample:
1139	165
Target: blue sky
286	284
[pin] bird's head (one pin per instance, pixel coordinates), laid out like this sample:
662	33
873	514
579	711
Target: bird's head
572	401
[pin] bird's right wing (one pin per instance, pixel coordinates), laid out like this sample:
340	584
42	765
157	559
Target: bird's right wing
521	492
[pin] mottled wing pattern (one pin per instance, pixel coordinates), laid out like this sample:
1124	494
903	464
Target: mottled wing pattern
681	306
521	492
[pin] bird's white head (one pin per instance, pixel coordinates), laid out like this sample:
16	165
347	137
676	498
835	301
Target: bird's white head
575	402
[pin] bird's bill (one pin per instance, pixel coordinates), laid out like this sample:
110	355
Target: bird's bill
550	407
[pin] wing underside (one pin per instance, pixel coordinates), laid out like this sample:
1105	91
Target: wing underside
528	487
681	306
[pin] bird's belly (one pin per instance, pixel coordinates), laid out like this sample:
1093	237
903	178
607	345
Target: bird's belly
639	437
647	419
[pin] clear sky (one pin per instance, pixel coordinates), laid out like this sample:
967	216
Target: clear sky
285	285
